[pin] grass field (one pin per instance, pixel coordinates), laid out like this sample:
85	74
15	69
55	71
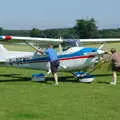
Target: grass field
23	99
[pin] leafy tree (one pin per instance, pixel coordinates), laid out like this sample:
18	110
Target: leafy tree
86	28
110	33
1	31
17	32
35	32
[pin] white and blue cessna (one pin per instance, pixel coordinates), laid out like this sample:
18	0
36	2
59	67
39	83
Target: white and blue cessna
75	58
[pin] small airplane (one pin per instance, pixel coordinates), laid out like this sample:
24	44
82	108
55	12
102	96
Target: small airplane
75	58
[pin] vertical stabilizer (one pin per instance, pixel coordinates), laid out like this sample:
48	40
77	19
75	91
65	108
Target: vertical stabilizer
3	49
3	53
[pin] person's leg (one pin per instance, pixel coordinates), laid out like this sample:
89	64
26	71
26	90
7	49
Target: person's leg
54	70
114	78
56	78
49	68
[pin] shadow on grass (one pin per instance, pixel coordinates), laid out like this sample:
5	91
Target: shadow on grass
103	82
9	75
14	78
18	78
104	75
63	79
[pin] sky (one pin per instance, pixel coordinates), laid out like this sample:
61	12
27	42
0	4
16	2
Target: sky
48	14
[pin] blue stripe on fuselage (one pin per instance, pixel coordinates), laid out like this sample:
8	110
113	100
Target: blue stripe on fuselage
72	55
78	53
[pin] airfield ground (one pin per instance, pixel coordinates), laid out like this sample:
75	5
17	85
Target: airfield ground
22	99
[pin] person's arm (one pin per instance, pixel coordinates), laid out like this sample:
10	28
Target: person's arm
40	51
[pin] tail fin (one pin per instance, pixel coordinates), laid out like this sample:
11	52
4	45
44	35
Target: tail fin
3	49
3	53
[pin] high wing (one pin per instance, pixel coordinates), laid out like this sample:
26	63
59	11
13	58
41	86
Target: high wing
41	42
45	41
77	42
95	40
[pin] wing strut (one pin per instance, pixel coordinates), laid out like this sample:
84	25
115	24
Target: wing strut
31	45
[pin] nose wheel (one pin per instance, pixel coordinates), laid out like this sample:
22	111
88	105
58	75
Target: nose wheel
84	77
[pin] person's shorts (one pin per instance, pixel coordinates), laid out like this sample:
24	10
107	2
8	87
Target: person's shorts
54	66
114	68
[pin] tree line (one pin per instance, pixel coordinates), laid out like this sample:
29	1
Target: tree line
84	29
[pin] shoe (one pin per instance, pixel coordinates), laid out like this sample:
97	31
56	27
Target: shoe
112	83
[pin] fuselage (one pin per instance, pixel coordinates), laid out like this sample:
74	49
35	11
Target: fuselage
73	59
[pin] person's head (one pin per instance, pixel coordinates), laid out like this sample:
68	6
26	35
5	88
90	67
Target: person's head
113	50
50	46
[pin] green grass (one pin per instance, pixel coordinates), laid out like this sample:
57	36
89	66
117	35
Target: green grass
20	47
23	99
